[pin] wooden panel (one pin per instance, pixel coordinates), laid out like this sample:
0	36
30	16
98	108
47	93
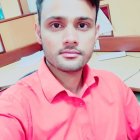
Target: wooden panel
18	33
2	48
127	43
17	17
24	6
13	56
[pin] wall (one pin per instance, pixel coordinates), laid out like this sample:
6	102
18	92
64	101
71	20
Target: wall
10	8
24	5
18	33
124	16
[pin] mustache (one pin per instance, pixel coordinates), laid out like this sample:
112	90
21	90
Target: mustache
70	48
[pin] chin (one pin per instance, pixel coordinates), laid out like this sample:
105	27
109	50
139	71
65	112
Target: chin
69	68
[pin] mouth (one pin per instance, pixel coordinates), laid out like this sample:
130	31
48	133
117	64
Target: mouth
70	53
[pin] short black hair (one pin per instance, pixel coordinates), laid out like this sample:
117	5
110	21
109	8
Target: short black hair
95	3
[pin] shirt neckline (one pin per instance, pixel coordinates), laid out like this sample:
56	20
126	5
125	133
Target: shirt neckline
52	87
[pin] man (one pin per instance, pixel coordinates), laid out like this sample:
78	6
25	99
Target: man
65	99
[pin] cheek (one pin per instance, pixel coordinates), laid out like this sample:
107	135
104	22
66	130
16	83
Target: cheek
88	37
47	47
51	47
92	41
88	42
51	40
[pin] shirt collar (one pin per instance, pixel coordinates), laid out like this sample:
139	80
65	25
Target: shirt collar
89	76
52	87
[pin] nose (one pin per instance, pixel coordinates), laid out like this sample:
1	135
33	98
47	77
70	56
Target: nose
70	37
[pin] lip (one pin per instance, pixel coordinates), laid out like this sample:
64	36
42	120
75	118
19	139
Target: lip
70	53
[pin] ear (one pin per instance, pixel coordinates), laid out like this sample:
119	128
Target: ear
97	31
38	33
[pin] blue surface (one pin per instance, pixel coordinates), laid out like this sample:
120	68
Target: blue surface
1	14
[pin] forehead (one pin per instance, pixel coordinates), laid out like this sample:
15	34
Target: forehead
67	8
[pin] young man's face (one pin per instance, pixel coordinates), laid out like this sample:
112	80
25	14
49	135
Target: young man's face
67	33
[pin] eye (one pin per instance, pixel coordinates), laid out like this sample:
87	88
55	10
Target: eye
83	26
56	26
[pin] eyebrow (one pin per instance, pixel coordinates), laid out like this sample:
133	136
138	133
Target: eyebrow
63	18
86	18
55	17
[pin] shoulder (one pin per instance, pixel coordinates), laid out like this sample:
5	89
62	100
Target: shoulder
15	106
110	81
107	75
111	87
22	89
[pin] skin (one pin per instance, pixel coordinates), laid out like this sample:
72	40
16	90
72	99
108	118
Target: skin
67	32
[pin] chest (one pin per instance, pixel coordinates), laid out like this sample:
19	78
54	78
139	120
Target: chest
87	119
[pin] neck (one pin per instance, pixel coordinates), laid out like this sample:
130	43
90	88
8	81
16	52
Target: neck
72	81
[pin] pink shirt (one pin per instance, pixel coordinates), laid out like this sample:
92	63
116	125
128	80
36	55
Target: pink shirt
39	108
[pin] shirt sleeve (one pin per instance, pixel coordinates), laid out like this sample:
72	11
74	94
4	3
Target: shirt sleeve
10	128
132	112
13	118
